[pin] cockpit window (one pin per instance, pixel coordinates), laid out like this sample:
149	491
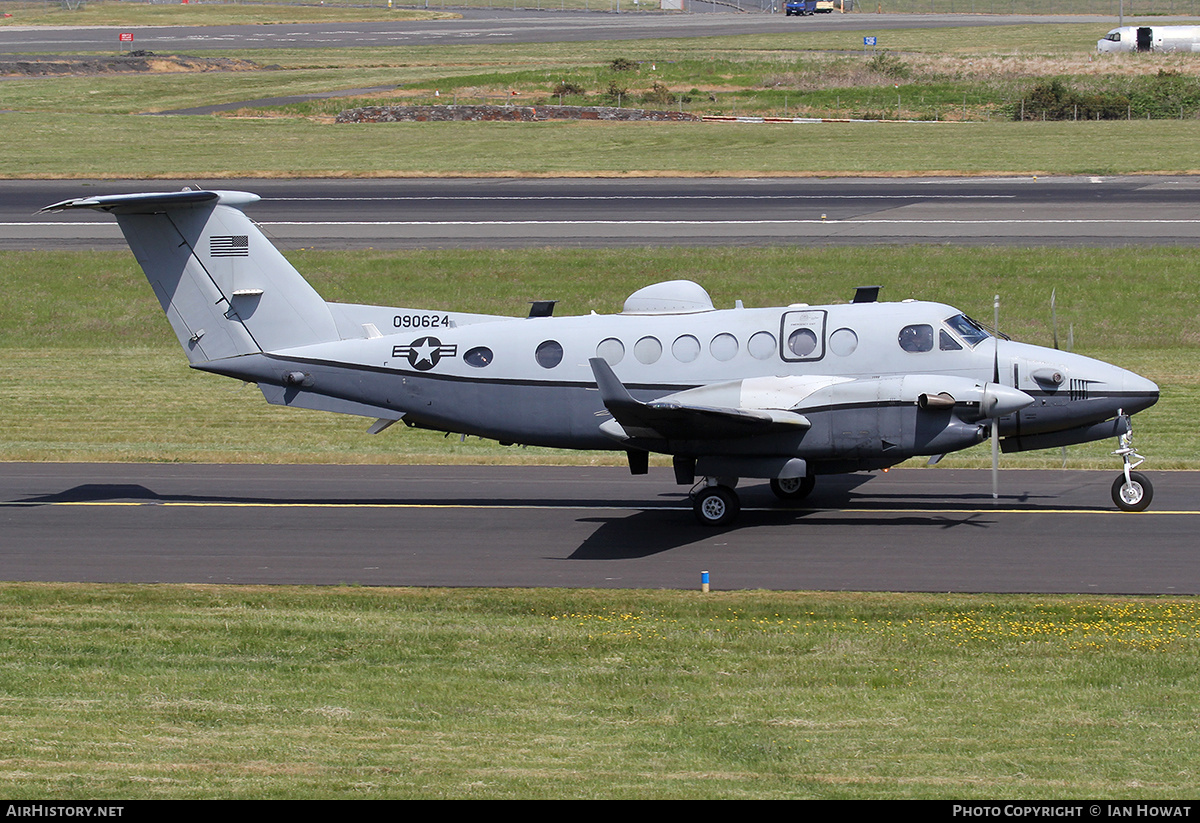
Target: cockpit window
1114	36
968	329
917	337
946	341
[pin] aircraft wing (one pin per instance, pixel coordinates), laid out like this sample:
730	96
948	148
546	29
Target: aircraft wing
675	419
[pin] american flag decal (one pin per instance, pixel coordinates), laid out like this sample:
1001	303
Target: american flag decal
234	245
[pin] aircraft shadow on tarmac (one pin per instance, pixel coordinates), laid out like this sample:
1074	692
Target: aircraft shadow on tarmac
652	532
836	502
657	528
833	492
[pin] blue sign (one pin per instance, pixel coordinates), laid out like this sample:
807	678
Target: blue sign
868	41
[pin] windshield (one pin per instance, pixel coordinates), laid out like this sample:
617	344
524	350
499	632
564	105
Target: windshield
967	329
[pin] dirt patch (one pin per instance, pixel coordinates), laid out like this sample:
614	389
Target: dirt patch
138	61
526	114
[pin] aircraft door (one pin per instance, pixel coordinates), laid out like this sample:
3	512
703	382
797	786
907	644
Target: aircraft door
1145	38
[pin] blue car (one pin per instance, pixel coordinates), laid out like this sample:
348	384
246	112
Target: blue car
800	7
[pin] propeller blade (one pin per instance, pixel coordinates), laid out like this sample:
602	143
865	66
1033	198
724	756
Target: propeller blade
996	419
1053	318
996	459
996	340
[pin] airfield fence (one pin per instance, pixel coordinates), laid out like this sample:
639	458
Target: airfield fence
1108	8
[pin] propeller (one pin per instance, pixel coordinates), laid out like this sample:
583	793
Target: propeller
1053	318
1070	346
1054	331
996	419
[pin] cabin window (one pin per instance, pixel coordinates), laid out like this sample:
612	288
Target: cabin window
802	342
917	337
724	347
843	342
478	357
761	345
686	348
946	341
612	351
549	354
647	350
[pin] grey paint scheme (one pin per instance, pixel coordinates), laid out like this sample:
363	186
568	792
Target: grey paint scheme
717	394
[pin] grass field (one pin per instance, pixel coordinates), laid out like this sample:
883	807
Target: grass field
94	125
30	13
131	692
183	148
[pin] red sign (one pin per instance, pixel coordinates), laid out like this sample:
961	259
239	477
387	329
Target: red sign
126	37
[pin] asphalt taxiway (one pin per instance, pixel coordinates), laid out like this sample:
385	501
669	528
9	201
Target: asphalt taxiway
495	213
905	530
495	27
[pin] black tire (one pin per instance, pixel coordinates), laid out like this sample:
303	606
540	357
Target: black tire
1134	496
716	506
793	488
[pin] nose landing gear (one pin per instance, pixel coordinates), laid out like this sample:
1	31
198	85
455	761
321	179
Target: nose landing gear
1131	491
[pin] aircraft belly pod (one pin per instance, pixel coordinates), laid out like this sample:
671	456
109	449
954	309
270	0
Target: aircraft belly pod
784	394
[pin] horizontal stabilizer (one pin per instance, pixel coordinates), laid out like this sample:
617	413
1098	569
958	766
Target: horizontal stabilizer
152	202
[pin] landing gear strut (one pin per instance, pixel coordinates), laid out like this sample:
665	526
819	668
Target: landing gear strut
1131	491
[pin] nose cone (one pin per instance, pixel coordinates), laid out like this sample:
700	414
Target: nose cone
1139	393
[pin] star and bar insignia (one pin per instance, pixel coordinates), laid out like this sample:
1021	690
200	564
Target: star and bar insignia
425	352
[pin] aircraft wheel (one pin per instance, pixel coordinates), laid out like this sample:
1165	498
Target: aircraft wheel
1133	496
793	488
716	505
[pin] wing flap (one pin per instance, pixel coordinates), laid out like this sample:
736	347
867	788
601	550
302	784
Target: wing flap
672	419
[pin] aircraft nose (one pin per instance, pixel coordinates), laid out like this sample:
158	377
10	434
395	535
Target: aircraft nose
1141	393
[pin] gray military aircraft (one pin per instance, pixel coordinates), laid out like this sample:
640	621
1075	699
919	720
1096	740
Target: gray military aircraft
784	394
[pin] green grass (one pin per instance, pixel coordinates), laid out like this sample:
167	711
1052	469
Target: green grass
177	692
92	371
92	126
205	14
206	147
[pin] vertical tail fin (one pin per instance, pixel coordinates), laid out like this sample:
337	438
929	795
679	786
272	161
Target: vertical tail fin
225	289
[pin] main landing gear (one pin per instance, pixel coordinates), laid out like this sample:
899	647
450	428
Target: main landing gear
715	503
1131	491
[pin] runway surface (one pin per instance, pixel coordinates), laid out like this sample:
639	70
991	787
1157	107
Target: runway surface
495	213
492	26
906	530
